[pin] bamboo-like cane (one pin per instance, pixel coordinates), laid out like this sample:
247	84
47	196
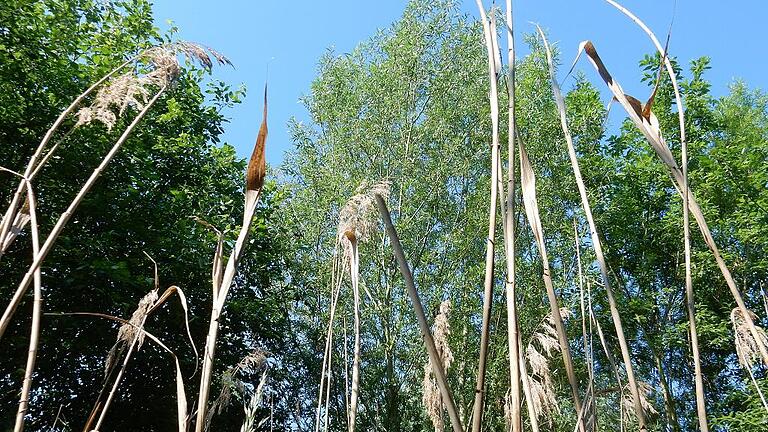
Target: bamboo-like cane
354	270
647	123
509	235
489	31
429	343
34	333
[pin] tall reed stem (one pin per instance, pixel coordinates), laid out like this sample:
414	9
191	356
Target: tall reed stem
354	270
426	334
254	182
596	244
489	33
34	333
509	234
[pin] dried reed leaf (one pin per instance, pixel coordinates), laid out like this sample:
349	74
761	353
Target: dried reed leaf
649	127
217	269
257	168
528	185
183	301
181	398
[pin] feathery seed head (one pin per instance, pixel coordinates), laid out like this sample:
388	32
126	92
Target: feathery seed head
131	331
132	89
644	391
431	393
356	218
747	348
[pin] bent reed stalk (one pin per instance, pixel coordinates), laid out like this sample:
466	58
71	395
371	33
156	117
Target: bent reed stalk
596	243
701	408
426	334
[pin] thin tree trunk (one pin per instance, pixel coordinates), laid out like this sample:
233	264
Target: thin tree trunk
669	401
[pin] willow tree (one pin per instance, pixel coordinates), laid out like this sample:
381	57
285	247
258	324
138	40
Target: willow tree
411	105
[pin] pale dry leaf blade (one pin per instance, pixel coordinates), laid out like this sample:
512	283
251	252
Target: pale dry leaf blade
180	393
183	301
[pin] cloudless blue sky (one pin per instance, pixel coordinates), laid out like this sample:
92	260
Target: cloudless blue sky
292	35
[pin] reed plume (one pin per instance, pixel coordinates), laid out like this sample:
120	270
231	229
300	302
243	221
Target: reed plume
431	393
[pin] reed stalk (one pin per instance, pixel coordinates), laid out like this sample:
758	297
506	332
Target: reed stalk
426	334
489	32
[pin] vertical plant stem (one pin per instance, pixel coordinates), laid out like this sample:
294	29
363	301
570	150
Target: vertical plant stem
34	333
509	235
218	305
254	182
488	31
354	276
669	401
325	375
64	218
690	302
426	334
528	183
585	338
119	378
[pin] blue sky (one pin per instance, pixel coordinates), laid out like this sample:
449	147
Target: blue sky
292	35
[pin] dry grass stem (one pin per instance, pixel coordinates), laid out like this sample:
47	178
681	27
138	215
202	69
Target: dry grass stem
30	209
429	342
596	243
356	221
